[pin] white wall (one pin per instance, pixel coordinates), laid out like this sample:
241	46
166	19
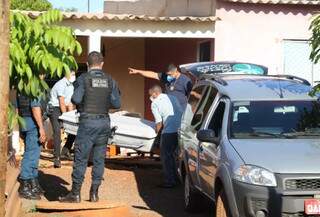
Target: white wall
255	32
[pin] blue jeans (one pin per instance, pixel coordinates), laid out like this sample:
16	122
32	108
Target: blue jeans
168	147
92	135
30	161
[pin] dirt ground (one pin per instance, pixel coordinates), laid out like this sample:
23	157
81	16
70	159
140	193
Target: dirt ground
131	182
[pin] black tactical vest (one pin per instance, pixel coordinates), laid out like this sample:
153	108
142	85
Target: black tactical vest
98	89
24	105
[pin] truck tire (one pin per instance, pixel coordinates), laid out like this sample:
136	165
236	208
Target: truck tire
222	207
191	197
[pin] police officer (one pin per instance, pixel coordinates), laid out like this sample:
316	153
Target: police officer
95	93
33	134
60	99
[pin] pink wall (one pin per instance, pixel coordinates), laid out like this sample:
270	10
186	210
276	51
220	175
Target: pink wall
255	32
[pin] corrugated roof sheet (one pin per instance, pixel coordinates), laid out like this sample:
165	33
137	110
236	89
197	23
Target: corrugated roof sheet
121	17
303	2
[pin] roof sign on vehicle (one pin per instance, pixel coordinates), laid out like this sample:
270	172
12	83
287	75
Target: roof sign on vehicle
248	68
224	67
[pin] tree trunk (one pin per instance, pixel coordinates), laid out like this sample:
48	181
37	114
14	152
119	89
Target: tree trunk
4	97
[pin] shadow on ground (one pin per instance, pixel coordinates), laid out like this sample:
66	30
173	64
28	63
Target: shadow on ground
54	186
166	202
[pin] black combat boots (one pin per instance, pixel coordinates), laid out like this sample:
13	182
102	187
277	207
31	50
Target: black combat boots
35	187
73	196
94	193
26	192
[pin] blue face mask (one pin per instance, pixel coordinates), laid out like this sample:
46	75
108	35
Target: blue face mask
170	79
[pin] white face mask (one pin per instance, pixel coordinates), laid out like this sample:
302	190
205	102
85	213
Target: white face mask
72	78
151	98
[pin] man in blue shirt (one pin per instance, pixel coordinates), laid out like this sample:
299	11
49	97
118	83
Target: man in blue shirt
60	100
95	93
167	113
33	134
176	83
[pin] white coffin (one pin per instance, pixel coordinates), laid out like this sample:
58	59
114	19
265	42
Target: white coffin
133	133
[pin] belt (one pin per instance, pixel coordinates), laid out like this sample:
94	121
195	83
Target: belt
93	116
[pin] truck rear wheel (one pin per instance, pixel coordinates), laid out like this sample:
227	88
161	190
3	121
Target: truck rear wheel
222	208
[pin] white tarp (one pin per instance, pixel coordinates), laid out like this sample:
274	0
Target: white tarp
134	133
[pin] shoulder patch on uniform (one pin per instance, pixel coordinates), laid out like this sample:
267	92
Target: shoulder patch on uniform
99	82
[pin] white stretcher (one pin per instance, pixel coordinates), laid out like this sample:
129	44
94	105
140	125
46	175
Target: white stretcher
131	132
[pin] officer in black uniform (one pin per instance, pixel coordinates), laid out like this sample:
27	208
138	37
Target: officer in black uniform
33	134
95	93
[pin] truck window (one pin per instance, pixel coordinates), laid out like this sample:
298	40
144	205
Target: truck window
195	97
265	119
203	107
217	119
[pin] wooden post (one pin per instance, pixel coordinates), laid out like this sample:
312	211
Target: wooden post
4	97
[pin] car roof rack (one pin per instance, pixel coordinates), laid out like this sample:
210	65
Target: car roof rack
214	77
219	78
292	77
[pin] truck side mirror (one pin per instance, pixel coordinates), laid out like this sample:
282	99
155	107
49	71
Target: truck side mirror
206	135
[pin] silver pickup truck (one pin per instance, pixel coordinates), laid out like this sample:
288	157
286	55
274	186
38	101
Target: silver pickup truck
251	144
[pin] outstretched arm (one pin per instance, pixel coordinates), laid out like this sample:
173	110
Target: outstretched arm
144	73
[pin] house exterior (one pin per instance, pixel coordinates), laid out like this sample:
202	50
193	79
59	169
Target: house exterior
273	33
140	41
150	34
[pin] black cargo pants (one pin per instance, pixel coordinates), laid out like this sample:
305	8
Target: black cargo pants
93	134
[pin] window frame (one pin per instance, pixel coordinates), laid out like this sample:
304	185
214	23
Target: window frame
215	112
208	89
226	116
211	41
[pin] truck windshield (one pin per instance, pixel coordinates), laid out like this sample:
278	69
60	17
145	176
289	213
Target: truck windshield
275	119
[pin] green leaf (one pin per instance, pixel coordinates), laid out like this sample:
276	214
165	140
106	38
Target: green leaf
78	48
20	85
29	72
34	90
59	70
10	68
38	45
27	89
21	122
66	69
44	84
44	62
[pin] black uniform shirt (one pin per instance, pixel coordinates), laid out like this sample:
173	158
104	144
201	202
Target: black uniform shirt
79	91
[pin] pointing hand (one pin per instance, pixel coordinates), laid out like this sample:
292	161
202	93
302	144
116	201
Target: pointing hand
132	71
